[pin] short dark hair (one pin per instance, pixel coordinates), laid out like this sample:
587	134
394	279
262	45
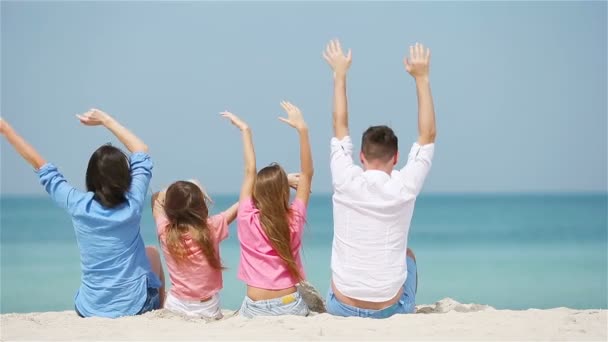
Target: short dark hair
379	143
109	176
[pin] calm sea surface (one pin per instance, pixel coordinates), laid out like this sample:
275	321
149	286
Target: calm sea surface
508	251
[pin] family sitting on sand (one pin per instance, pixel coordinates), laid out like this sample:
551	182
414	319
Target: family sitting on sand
373	272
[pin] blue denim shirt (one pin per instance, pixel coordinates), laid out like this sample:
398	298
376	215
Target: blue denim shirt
115	269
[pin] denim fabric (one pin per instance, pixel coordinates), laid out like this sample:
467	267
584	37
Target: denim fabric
292	304
406	304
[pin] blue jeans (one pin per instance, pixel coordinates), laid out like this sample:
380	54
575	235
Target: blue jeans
405	304
152	302
292	304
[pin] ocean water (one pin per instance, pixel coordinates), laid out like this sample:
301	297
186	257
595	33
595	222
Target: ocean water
507	251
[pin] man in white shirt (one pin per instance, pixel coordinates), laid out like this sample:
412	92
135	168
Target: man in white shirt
373	271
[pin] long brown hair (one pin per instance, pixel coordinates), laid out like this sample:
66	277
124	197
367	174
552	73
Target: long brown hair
186	209
271	197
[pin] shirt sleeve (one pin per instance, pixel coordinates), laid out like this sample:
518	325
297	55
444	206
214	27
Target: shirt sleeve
219	224
298	218
342	167
141	173
418	166
245	209
65	195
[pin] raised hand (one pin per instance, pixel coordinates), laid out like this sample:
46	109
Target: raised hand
94	117
21	145
418	62
240	124
3	126
293	179
294	116
248	155
336	59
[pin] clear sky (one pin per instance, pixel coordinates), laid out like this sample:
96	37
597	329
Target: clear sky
520	87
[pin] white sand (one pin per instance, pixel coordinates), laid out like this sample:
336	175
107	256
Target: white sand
445	320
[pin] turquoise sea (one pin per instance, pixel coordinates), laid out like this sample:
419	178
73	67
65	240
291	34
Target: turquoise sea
508	251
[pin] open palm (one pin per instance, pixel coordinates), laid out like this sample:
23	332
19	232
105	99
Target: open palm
235	120
334	56
418	62
294	116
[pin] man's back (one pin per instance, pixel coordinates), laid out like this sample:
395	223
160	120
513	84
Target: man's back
372	214
374	274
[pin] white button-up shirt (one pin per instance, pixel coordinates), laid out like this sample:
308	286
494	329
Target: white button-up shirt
372	215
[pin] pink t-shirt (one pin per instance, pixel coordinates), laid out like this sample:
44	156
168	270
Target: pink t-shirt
194	278
260	264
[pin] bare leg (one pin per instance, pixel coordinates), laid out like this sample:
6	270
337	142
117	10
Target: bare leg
157	267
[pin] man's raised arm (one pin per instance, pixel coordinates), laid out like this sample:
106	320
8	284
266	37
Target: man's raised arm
339	63
418	66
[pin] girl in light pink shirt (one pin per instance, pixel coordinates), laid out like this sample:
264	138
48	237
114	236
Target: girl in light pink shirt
270	229
190	240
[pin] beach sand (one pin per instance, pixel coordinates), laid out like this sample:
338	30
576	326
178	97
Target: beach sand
444	320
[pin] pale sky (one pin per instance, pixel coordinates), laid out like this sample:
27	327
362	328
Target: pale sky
519	87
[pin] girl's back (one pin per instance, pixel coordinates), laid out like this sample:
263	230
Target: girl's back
193	278
270	230
190	240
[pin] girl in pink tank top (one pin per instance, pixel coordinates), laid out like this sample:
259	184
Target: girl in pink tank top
270	229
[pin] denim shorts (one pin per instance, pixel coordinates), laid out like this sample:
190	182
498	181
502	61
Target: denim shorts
405	304
292	304
152	302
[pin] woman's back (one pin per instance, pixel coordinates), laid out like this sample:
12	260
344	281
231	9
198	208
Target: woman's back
116	272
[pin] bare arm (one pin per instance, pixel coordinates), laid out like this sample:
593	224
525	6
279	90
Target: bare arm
21	146
340	113
248	155
295	119
418	66
96	117
158	199
339	63
231	212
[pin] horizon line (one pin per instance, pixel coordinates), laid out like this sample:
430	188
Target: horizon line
431	194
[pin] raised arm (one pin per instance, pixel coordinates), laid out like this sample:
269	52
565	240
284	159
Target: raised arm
339	63
51	179
231	212
418	66
249	156
96	117
295	120
21	146
158	199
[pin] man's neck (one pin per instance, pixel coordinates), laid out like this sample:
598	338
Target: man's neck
387	168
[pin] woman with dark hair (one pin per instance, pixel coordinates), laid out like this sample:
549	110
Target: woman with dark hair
120	276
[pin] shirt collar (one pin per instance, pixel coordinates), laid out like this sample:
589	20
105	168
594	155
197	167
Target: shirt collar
376	175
